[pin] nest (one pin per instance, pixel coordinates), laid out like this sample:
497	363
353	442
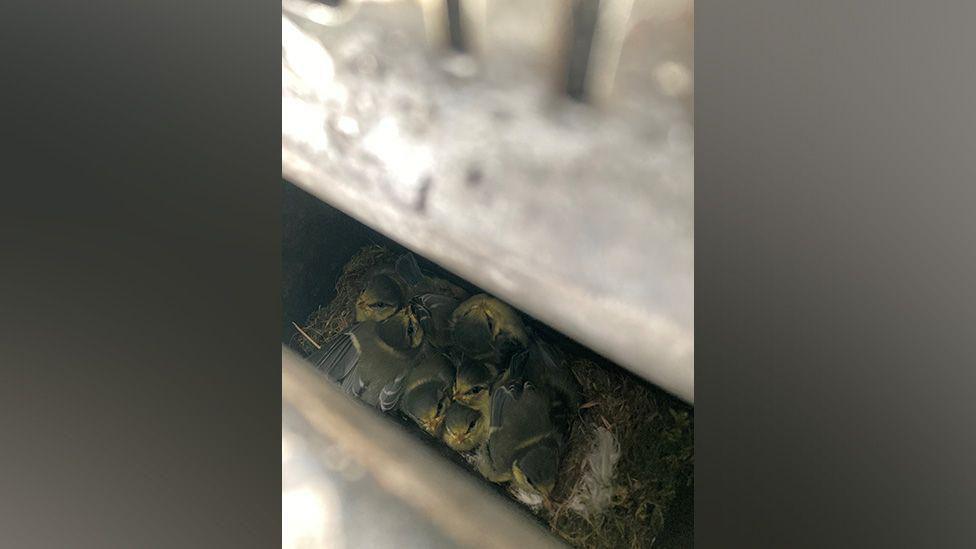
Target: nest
629	453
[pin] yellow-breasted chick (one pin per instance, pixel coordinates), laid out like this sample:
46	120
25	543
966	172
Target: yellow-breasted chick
464	428
486	329
372	359
382	297
473	383
524	445
426	391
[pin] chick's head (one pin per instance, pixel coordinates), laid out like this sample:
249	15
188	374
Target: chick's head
426	405
464	428
379	300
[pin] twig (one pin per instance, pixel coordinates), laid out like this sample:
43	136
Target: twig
310	340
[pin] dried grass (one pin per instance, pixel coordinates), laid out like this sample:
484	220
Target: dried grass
654	433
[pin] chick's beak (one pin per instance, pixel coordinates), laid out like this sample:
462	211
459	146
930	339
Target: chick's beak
456	439
432	425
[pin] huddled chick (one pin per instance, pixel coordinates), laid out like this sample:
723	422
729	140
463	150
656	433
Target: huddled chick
514	397
523	445
372	359
465	428
485	329
427	391
530	414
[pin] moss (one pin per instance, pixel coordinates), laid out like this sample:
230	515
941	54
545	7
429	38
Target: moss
653	429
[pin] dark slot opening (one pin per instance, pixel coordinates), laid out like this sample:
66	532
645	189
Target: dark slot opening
581	31
454	26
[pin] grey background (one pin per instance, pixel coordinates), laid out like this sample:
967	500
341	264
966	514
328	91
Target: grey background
140	297
835	182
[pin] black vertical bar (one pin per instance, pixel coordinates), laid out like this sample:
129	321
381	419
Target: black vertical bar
455	32
582	29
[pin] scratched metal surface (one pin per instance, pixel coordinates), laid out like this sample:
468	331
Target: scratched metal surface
579	214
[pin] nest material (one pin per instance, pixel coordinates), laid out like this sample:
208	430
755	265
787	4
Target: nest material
601	499
653	433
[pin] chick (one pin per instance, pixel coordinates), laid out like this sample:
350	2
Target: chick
473	382
373	358
545	367
464	428
523	445
486	329
434	313
380	299
433	300
426	392
542	368
535	472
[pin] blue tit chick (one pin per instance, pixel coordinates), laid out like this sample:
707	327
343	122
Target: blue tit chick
464	428
546	368
523	446
432	299
536	470
426	392
382	297
473	383
372	359
434	313
486	329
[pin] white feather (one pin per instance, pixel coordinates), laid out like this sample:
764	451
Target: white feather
533	500
594	490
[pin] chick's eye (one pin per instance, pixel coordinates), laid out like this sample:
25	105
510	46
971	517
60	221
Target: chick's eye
472	424
378	305
475	390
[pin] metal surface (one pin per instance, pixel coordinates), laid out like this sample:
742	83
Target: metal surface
580	214
351	478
